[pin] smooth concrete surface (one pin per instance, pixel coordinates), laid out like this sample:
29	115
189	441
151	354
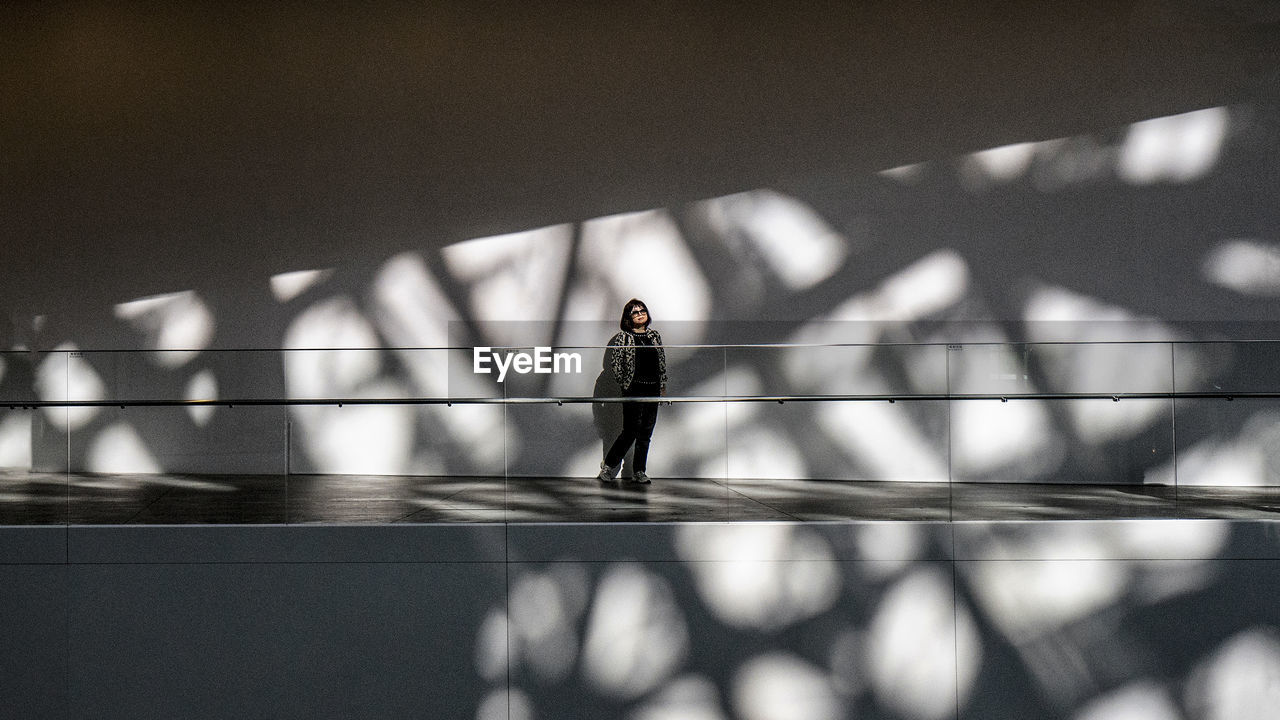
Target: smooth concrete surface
58	499
1108	618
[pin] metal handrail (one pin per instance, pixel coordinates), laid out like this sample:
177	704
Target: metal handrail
578	400
887	343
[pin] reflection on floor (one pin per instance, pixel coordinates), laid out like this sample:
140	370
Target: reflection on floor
79	499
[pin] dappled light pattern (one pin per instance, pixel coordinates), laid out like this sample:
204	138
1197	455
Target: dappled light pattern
773	575
119	449
778	233
941	275
1250	458
1249	267
1067	239
1179	148
1144	700
68	375
639	255
1241	680
915	621
289	285
636	636
15	439
202	387
544	609
922	652
511	278
361	438
784	687
176	326
687	698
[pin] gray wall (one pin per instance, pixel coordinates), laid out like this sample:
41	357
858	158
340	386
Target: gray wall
861	174
1101	620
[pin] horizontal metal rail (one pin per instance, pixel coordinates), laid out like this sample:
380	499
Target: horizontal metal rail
578	400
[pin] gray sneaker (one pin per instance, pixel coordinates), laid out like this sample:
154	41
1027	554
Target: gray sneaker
607	474
640	476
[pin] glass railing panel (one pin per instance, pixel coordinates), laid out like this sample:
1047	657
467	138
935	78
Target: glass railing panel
806	370
1076	368
399	420
1228	438
191	464
17	451
860	439
1227	367
839	440
550	440
1014	439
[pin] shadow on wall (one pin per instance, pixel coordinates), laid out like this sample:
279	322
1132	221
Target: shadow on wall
1101	621
1162	230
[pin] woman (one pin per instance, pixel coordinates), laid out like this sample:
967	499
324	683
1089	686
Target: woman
640	366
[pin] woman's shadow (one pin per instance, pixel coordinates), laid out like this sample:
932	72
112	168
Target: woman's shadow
607	417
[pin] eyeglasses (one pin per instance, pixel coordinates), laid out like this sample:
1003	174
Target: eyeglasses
638	311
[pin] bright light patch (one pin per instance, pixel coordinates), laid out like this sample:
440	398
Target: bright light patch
202	386
686	698
513	277
289	285
1000	164
1102	421
1249	267
1241	681
781	686
643	255
66	375
1143	700
1056	314
1178	148
1028	598
1102	368
15	440
905	174
118	449
177	326
885	439
912	645
692	430
491	647
1169	539
343	359
798	245
760	576
763	452
990	435
506	704
893	546
411	309
1250	458
927	286
356	439
636	635
543	627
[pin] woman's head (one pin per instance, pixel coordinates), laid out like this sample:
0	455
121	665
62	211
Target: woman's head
635	315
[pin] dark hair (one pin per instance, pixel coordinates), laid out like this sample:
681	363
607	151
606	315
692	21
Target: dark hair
625	323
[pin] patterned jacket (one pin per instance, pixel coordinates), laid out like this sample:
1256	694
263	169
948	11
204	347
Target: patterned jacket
622	347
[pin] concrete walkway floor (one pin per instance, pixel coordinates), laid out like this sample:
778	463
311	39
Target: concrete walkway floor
81	499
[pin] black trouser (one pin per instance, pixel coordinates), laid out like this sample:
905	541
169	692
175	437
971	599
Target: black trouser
638	420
